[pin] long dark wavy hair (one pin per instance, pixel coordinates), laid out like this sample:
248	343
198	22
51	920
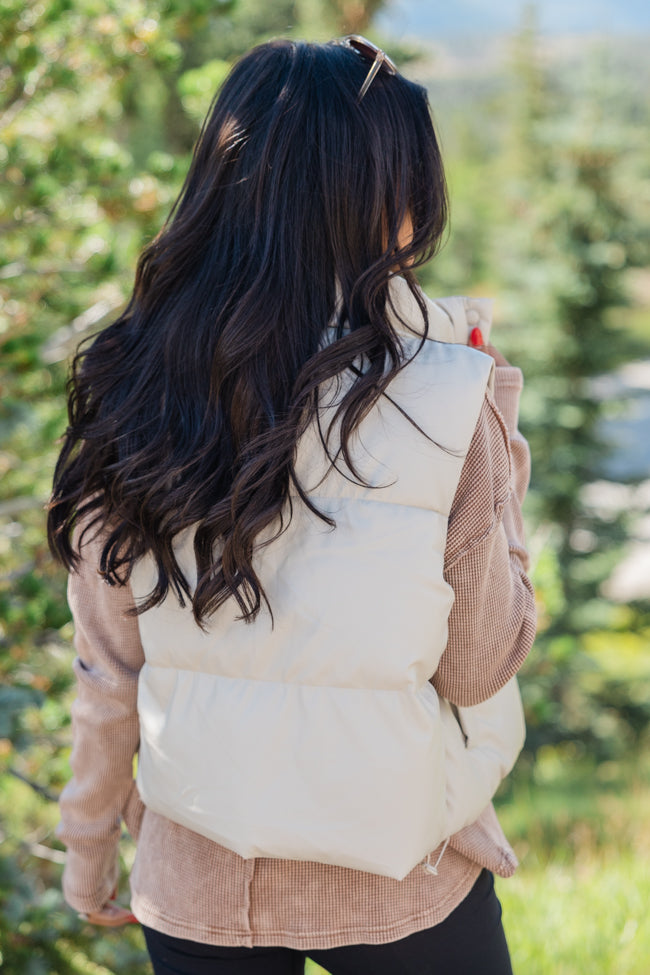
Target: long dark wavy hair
186	411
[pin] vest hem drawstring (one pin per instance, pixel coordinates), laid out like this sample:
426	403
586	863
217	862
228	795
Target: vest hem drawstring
433	867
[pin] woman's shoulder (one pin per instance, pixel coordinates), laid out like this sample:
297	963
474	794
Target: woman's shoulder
450	319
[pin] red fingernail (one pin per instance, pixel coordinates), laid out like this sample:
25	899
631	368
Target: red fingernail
476	337
132	919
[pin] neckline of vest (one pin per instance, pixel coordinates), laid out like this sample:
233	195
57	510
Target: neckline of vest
449	318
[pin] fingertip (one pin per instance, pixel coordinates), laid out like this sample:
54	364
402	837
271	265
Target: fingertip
476	337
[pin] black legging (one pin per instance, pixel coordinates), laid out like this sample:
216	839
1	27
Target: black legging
470	941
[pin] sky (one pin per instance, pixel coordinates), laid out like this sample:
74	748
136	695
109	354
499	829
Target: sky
433	18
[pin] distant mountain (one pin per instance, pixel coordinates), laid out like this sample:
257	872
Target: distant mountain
428	18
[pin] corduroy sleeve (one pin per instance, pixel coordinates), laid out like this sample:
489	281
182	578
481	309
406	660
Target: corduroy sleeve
106	733
492	621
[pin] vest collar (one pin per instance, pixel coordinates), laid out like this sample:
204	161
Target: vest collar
450	319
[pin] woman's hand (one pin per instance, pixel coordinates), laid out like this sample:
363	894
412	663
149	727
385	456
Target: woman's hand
111	915
476	342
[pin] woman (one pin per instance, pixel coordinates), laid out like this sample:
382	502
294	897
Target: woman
303	490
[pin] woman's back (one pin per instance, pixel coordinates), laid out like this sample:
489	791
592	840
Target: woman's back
337	670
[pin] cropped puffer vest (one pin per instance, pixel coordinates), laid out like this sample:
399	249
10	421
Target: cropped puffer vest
320	737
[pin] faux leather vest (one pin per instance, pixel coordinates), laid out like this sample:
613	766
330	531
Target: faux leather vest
321	737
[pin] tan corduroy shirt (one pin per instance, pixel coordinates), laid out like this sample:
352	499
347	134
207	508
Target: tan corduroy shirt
190	887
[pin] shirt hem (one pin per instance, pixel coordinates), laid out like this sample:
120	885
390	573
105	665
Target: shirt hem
148	915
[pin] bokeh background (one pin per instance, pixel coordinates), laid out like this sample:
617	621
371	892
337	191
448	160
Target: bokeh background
543	114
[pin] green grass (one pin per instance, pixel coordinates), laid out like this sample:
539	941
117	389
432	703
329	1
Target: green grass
585	916
579	901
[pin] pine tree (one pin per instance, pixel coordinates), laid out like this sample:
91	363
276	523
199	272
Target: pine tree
562	252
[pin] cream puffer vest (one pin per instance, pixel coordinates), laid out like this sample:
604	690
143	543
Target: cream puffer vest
321	737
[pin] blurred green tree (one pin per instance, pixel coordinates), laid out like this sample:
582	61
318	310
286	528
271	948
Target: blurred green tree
86	177
573	230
